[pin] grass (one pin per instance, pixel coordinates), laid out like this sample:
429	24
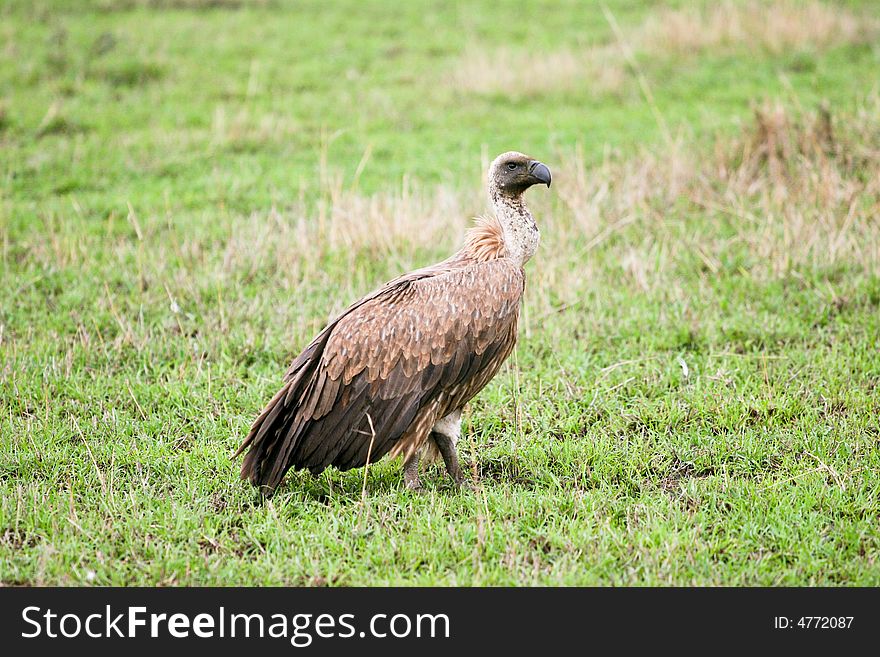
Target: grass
189	190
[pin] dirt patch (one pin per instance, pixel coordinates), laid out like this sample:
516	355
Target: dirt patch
679	471
18	539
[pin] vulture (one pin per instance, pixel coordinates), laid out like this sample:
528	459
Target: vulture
390	375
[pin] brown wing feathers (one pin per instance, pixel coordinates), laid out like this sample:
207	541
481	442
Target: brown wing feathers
406	355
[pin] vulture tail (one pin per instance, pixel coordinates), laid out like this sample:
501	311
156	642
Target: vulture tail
265	440
276	431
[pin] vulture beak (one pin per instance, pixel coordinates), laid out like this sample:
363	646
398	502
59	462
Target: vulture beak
539	172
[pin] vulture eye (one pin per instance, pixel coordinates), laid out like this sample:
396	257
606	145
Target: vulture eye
512	166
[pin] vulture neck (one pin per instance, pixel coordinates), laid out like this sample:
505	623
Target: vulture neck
519	232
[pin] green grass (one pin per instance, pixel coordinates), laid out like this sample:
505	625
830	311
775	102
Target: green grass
173	184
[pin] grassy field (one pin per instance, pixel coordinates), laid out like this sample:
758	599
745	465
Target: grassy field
190	189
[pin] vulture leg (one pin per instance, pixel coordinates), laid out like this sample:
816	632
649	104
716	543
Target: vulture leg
445	434
411	472
446	445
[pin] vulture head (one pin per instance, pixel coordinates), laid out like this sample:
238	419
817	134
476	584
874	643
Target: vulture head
513	173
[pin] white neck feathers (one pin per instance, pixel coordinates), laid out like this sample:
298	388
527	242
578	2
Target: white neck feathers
521	235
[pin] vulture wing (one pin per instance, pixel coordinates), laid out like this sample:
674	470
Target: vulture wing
378	377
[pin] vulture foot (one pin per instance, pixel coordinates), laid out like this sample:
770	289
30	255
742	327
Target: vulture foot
411	473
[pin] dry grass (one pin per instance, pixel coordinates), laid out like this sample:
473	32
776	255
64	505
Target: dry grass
793	190
817	187
381	223
243	131
775	27
523	73
384	227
